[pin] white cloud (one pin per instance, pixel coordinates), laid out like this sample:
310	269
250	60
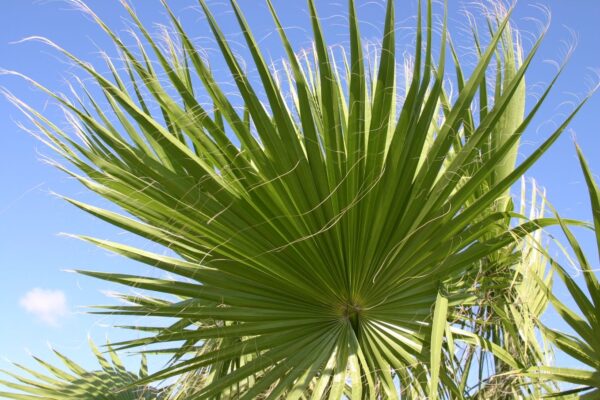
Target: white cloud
47	305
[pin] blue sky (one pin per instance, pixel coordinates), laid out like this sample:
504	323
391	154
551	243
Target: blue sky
41	304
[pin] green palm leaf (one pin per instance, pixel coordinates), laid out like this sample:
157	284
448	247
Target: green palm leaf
111	382
585	346
320	242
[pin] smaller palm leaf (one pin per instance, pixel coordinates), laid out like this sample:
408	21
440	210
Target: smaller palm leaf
585	346
111	382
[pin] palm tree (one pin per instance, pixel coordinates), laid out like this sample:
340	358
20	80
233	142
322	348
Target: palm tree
336	237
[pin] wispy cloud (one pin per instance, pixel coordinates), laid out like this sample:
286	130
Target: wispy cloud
49	306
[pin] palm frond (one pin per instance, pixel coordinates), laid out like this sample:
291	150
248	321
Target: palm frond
585	346
320	242
111	382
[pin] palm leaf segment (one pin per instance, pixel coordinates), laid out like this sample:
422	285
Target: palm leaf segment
317	238
112	382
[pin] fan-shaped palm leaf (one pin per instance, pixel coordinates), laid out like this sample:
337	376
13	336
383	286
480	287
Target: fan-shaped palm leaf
112	382
320	239
585	347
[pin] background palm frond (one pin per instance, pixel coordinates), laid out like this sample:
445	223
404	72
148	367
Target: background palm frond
585	345
111	382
